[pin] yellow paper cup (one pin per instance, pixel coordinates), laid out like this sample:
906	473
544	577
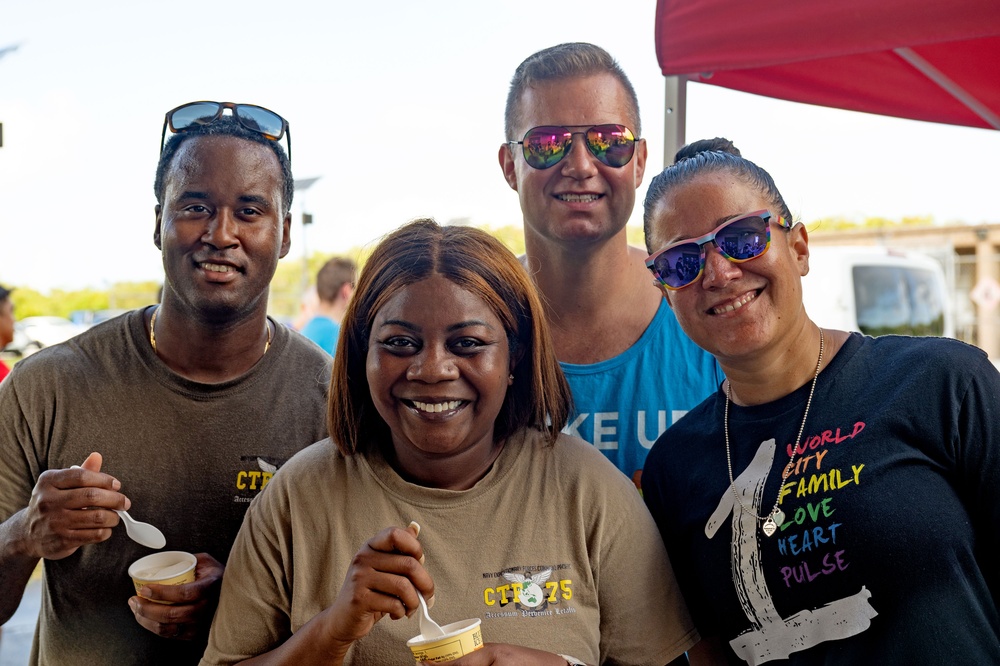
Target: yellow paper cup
171	567
460	639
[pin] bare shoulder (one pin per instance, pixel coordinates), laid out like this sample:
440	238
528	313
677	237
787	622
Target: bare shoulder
638	255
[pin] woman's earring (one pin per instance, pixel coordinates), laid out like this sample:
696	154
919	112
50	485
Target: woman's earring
510	379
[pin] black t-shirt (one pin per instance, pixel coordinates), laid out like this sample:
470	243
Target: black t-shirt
889	550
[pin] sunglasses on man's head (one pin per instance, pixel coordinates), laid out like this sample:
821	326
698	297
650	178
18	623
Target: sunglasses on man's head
546	146
254	118
738	239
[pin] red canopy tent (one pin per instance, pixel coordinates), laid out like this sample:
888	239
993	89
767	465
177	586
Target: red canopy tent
933	60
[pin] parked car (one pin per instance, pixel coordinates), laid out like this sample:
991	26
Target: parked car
877	291
88	318
47	331
22	344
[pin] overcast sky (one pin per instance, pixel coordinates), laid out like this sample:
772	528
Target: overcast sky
397	106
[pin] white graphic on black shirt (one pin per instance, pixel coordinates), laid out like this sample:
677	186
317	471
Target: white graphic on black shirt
771	636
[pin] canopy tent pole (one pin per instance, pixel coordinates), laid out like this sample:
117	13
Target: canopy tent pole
949	86
674	117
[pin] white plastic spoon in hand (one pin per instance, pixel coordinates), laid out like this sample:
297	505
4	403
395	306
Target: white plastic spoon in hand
428	627
142	533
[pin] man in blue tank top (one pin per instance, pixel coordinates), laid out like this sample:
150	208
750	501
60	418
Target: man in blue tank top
574	156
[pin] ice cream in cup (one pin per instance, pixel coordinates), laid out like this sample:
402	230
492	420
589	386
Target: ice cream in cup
460	638
172	567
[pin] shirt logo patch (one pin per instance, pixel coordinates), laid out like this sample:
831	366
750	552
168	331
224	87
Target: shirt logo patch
528	592
531	587
252	476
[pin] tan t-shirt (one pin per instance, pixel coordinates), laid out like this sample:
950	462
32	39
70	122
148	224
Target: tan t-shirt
553	549
190	457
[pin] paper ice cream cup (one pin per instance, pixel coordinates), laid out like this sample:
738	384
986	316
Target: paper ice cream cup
460	638
171	567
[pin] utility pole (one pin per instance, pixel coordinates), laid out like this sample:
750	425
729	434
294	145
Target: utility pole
4	51
301	186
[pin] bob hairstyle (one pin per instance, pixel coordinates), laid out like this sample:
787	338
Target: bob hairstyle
475	261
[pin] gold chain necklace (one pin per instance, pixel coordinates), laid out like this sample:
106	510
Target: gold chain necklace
152	332
776	516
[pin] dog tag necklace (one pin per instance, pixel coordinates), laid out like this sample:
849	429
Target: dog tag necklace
774	519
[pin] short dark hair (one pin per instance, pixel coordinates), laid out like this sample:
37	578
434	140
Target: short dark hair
557	63
539	395
225	126
709	156
4	293
333	275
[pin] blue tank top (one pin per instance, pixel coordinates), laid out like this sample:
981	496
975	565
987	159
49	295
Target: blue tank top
623	404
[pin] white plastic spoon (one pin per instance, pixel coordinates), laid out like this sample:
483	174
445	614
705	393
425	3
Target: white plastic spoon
428	627
142	533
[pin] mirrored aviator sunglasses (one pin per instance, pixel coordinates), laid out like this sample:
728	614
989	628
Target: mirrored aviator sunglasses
738	239
544	147
254	118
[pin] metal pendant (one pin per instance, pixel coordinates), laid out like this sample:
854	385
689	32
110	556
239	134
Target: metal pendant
769	526
779	517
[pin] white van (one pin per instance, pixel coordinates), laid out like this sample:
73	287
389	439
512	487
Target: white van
877	291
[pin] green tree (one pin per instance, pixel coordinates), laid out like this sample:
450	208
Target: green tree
293	277
636	236
63	303
511	235
846	224
131	295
